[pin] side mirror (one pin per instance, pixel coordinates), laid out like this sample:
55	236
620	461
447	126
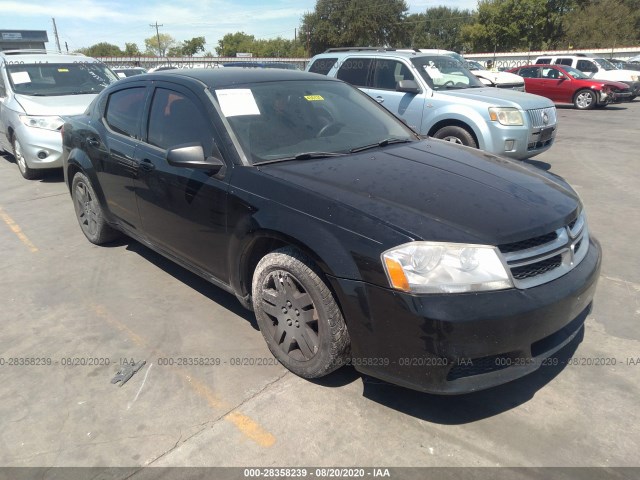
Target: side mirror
192	156
408	86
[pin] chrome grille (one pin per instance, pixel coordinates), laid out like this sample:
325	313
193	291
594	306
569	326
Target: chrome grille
542	259
536	116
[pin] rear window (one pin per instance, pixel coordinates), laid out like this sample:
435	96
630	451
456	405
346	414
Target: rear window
52	79
322	65
564	61
543	61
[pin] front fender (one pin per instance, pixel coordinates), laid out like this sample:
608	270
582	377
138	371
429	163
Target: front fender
455	114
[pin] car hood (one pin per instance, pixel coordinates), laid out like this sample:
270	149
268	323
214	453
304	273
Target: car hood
58	105
502	97
438	191
499	78
618	75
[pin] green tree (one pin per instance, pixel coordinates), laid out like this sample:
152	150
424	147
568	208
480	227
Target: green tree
131	50
193	46
507	25
603	24
166	43
233	43
438	27
358	23
102	49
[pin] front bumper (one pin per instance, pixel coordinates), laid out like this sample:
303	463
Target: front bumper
37	143
460	343
521	142
634	87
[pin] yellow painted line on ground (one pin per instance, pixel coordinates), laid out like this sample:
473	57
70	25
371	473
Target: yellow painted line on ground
245	424
251	429
15	228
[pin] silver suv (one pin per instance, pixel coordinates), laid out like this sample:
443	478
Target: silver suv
36	88
437	96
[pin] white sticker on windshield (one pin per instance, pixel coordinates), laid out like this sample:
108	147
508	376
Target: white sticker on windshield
433	72
237	101
20	77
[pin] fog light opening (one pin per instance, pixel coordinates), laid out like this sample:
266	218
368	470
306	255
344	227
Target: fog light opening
42	154
508	145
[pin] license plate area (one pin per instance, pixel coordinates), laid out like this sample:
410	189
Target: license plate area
545	134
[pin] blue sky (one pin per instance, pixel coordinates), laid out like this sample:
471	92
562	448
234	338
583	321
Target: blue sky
82	23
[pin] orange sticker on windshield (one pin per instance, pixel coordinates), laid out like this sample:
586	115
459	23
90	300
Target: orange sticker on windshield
313	98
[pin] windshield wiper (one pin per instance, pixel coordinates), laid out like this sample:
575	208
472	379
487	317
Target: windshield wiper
383	143
303	156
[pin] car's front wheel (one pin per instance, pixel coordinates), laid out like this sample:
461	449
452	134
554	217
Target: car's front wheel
298	315
455	134
585	99
25	170
89	212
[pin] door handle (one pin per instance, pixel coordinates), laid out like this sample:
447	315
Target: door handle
147	165
94	142
379	99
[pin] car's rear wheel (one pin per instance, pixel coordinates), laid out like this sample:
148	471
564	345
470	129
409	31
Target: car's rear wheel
25	170
298	315
89	212
455	134
585	99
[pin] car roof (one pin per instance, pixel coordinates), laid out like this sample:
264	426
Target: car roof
379	53
42	56
223	77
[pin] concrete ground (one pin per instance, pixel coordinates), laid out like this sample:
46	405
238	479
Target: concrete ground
63	298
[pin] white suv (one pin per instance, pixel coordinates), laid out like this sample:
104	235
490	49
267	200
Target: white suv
36	88
596	67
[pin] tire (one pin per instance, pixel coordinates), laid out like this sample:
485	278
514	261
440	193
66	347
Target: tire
457	135
89	212
27	172
585	99
297	314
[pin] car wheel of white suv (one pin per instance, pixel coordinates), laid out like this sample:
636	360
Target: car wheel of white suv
25	171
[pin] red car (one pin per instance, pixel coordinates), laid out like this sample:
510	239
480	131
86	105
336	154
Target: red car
564	84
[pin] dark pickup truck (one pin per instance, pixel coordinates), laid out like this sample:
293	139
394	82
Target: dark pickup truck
355	241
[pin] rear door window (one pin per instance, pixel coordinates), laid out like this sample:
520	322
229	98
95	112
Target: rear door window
564	61
355	71
543	61
124	111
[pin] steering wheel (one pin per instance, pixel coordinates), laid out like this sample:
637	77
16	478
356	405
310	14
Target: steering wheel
329	129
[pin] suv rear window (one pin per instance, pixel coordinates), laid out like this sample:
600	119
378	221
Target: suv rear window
322	65
355	71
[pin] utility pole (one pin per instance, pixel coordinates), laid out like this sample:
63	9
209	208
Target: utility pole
55	34
160	52
66	45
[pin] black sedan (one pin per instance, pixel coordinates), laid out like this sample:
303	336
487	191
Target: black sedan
428	264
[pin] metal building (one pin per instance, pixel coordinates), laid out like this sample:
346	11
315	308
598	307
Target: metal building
21	39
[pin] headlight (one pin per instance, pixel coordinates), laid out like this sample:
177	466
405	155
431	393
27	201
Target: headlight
47	123
506	115
434	267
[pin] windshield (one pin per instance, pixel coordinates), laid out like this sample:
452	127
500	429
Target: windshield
442	72
51	79
606	64
281	120
575	73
